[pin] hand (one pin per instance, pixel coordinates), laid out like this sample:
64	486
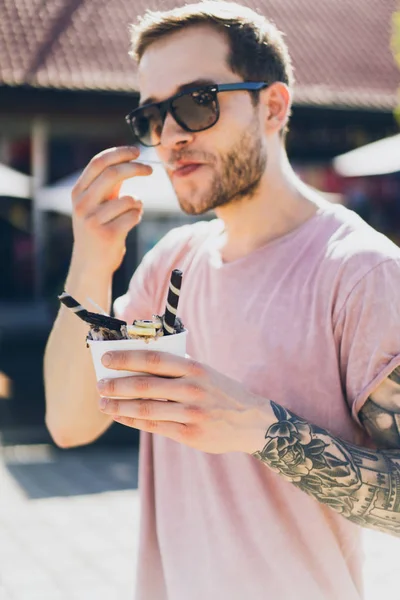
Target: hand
205	410
101	221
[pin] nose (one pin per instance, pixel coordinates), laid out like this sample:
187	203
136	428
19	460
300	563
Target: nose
172	134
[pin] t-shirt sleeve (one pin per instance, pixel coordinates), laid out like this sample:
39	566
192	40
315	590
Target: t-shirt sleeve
367	330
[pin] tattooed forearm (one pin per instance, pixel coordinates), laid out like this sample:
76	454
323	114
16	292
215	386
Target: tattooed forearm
362	485
380	414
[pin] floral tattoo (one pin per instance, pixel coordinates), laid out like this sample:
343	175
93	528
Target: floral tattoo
360	484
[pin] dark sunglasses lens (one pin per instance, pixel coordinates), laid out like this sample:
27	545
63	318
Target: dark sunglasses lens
147	125
196	110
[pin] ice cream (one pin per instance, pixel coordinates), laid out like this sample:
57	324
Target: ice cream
103	327
107	333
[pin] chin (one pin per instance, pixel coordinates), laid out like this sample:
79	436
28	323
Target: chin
192	209
193	204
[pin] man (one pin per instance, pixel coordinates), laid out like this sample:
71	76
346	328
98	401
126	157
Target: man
292	308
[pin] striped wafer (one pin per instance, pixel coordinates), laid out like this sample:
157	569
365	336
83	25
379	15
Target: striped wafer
172	302
92	318
73	305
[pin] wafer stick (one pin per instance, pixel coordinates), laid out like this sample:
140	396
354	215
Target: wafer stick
89	317
172	302
73	305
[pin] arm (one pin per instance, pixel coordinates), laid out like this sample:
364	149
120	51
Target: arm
101	221
72	416
213	413
362	485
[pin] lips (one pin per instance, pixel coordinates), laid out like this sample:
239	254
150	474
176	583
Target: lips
182	169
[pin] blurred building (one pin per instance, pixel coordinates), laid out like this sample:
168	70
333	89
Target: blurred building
67	81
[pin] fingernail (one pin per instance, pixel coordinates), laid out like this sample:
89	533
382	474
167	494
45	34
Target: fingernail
101	384
106	359
103	402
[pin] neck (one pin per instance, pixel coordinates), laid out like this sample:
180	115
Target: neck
281	204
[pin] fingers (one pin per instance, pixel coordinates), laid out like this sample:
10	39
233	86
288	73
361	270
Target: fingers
174	431
104	185
176	389
162	364
107	211
122	224
147	410
107	158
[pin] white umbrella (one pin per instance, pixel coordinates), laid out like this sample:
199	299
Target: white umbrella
377	158
13	183
155	191
57	196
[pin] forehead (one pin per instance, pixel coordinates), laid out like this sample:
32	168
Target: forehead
197	52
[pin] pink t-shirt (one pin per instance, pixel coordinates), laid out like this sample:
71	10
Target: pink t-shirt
311	321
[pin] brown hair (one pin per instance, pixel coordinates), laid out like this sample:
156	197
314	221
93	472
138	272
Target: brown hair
257	49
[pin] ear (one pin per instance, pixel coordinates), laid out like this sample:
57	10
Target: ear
277	101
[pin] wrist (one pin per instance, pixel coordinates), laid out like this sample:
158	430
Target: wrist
259	419
90	268
87	280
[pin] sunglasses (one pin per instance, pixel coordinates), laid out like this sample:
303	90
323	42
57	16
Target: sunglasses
196	109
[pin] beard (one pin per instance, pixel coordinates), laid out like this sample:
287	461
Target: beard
238	178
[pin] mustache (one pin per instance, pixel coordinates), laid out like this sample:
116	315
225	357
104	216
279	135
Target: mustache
191	155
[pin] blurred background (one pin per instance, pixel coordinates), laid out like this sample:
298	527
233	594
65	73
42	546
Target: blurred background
66	83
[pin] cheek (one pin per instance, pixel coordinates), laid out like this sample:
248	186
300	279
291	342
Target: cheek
214	143
237	111
235	119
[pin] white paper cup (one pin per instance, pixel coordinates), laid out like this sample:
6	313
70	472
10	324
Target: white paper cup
175	344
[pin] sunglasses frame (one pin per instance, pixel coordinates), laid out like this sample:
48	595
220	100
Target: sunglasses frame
165	106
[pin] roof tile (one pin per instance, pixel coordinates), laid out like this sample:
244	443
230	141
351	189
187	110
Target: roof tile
340	49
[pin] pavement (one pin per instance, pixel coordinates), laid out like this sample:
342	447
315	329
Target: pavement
69	523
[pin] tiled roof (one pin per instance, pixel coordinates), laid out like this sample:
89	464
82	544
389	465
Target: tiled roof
340	48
